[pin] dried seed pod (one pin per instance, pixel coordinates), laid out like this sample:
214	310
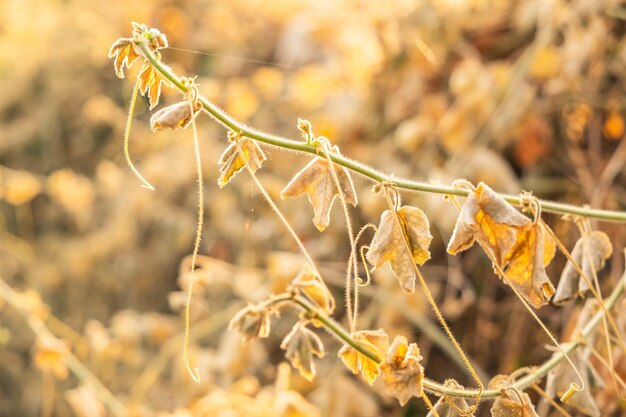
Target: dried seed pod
176	116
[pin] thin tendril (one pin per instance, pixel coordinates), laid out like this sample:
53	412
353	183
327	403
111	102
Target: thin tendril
429	404
195	374
129	121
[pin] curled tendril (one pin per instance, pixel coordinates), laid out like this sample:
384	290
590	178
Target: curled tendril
531	204
463	184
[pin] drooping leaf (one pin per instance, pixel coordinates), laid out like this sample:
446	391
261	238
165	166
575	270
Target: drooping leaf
150	81
176	116
252	322
511	403
525	264
312	286
231	161
124	54
519	247
377	342
402	372
590	252
489	219
316	180
562	375
388	244
300	345
451	406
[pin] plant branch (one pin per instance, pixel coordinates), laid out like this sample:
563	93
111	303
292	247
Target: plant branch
405	184
437	388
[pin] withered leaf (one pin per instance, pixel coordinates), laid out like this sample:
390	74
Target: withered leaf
252	322
316	180
313	287
525	264
300	345
489	219
123	53
511	403
176	116
560	377
377	342
510	406
518	246
231	161
388	244
451	406
590	252
150	81
402	372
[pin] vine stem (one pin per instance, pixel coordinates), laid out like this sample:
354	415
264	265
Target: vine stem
229	122
437	388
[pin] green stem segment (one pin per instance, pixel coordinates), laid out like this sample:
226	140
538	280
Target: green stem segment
230	123
437	388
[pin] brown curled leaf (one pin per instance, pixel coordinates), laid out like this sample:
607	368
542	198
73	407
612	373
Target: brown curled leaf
388	244
377	342
512	402
590	253
231	161
316	180
300	345
252	322
176	116
150	81
402	372
525	264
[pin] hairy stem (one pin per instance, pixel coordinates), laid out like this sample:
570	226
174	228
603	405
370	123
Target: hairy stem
405	184
437	388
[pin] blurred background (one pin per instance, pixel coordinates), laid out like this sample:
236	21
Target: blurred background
521	95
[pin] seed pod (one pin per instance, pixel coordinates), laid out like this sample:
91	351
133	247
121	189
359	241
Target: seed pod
172	117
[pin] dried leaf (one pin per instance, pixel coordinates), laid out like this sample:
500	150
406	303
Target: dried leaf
252	322
519	247
510	406
388	245
300	345
377	342
451	406
590	252
525	265
150	81
176	116
560	377
316	180
489	219
402	372
231	161
312	286
123	53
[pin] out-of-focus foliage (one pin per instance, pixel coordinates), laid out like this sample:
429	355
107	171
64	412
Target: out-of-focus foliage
516	94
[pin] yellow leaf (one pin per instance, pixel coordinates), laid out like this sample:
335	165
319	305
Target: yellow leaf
488	219
388	244
590	252
525	264
300	345
316	181
311	284
150	81
123	54
375	341
402	372
231	161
